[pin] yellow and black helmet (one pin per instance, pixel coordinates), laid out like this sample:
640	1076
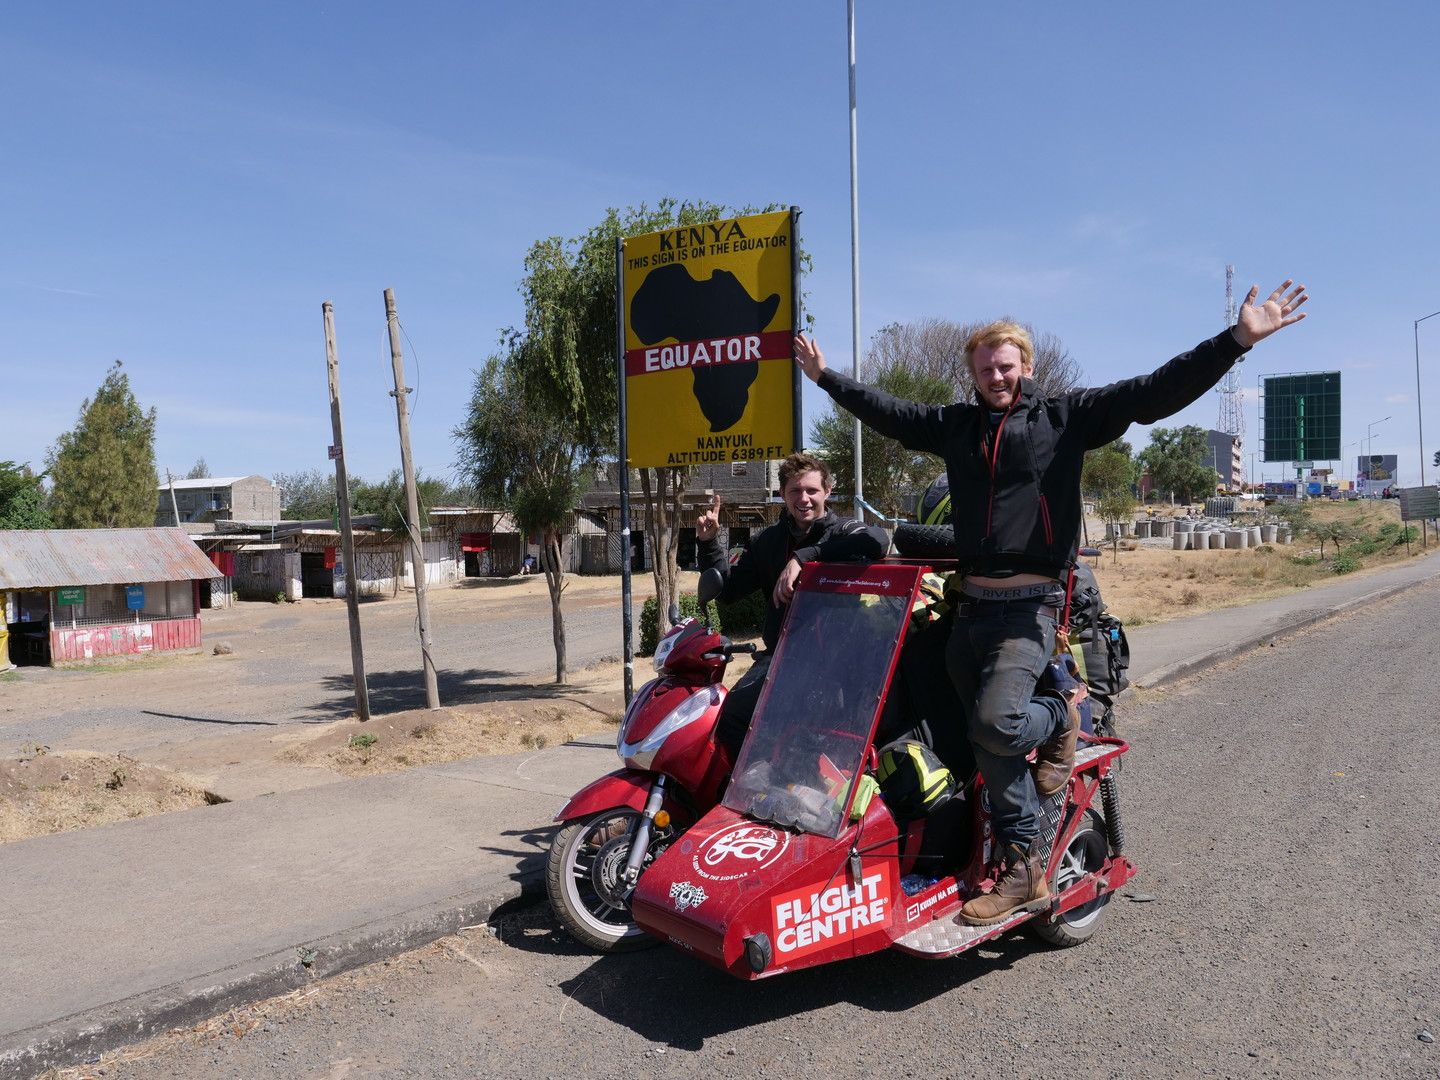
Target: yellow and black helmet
933	506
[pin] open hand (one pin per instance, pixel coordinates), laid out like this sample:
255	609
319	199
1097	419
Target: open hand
1257	322
809	357
708	523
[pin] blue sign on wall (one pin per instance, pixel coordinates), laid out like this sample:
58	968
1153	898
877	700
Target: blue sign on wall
135	597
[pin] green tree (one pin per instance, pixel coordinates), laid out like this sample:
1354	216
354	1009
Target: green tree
522	455
198	471
308	495
920	361
1108	476
568	345
1178	460
386	499
22	500
892	474
103	472
1337	533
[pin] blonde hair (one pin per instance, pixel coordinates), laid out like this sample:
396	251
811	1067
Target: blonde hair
1002	332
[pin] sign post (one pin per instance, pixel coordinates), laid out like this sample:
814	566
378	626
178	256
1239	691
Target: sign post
705	319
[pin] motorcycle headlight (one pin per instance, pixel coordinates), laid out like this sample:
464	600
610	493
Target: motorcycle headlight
641	754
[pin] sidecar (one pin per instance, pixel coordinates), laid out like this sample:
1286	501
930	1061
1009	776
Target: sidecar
803	862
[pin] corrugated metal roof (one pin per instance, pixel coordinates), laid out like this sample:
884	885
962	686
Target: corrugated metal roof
206	482
54	558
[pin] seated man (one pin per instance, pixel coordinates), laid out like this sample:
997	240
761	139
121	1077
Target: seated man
806	532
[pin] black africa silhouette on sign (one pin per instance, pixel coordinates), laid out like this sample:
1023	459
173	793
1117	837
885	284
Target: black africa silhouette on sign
672	304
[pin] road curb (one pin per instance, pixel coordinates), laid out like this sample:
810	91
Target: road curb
1183	669
77	1038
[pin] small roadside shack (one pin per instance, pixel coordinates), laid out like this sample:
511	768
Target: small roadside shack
81	594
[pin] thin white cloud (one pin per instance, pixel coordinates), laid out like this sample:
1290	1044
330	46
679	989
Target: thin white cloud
50	289
1398	399
1113	228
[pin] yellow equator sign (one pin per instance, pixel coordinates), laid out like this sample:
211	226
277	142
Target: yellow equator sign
709	315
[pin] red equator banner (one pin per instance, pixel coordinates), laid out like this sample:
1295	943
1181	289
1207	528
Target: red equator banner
739	349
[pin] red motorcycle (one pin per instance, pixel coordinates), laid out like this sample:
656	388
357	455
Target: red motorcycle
804	861
672	774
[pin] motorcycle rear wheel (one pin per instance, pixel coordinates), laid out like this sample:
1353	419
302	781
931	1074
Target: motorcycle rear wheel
583	881
1087	851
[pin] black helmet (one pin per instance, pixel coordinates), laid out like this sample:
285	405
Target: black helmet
933	506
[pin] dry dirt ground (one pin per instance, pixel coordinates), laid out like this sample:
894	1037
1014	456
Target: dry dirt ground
112	770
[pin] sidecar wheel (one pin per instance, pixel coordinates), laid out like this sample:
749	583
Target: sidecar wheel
582	879
1087	851
925	541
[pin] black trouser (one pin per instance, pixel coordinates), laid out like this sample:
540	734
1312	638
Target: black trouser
740	705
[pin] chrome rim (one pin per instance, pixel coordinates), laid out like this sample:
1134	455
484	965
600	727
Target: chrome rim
594	865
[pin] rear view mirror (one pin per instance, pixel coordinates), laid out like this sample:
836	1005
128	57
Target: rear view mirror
712	583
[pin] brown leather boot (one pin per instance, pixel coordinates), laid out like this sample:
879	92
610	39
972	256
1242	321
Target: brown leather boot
1055	760
1020	888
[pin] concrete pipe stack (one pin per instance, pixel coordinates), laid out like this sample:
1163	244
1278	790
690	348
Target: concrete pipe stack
1269	534
1142	530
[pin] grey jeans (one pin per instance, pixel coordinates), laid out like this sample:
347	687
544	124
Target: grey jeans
996	655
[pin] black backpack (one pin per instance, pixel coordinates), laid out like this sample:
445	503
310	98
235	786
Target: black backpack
1101	638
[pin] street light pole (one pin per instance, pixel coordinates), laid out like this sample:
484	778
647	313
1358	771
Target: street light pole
1369	463
1419	414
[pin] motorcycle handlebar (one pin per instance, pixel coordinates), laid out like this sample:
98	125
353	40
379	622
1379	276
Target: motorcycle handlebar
729	649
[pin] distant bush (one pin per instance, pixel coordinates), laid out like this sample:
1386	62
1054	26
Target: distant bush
744	617
1304	560
1347	562
650	622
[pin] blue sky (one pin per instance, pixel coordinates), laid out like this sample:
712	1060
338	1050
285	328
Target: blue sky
186	183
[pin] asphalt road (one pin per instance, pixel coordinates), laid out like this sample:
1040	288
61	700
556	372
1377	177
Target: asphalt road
291	665
1285	924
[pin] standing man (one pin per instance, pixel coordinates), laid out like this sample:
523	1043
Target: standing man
806	532
1013	459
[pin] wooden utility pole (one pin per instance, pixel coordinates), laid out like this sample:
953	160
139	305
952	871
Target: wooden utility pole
347	535
412	500
173	508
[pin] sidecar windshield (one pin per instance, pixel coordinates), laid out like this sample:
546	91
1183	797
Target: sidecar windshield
811	731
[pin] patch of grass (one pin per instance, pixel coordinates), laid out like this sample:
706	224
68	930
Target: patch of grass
534	740
1346	562
1190	597
9	676
363	741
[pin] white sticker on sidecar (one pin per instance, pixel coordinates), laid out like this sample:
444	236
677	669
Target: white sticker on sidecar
737	851
687	894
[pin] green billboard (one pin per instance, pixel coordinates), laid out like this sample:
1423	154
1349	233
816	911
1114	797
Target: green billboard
1300	417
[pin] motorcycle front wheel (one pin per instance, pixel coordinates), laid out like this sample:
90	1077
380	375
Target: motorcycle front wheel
584	877
1087	851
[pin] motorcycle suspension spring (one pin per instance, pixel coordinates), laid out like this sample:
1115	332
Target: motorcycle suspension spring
1110	800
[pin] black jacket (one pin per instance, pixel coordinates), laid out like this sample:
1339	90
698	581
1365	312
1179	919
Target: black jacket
1017	510
830	539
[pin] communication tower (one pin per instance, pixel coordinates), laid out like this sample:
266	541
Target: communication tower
1232	413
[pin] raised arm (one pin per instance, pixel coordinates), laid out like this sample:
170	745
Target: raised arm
1105	412
912	425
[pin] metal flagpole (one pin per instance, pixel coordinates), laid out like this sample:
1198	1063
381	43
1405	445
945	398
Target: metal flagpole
854	255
